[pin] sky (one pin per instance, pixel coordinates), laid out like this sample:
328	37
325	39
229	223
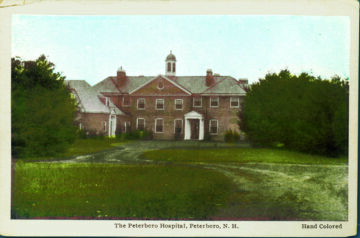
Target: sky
94	47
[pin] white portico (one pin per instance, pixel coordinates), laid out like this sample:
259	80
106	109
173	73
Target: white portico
194	126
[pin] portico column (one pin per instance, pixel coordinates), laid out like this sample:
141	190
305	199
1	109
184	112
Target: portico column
201	132
187	130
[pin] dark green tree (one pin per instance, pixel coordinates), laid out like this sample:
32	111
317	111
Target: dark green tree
42	109
302	113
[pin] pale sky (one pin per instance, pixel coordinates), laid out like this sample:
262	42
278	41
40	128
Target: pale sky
94	47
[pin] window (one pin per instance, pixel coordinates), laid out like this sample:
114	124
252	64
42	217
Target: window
140	124
159	125
174	67
197	102
178	104
126	126
169	67
106	101
234	102
126	101
141	103
160	84
178	124
214	102
213	126
159	105
104	125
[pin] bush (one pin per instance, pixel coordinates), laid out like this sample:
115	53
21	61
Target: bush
136	135
231	136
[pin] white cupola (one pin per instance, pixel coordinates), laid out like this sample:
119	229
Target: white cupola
170	65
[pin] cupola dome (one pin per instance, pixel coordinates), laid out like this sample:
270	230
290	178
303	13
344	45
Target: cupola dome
171	57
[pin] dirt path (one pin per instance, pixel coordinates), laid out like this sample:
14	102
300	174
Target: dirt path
293	192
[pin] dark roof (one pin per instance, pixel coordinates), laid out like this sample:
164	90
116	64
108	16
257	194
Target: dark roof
171	56
194	84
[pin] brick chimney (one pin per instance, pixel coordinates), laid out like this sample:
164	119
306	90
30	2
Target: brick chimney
121	77
209	78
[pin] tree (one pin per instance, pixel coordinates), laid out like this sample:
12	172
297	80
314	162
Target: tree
302	113
42	109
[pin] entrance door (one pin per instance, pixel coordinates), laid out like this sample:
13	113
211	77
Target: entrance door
194	126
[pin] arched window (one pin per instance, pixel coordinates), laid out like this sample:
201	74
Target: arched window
169	67
174	67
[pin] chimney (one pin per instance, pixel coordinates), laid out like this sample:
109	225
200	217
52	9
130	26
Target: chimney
209	78
121	77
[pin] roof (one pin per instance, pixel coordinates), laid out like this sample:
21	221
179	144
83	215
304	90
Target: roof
88	98
194	84
171	56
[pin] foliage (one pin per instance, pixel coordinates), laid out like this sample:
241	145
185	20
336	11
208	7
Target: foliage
114	191
42	109
302	112
239	155
231	136
136	135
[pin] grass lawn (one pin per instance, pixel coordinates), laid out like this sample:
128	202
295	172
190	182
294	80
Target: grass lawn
88	146
272	184
105	191
239	155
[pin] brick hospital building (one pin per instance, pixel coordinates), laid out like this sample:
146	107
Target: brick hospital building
168	105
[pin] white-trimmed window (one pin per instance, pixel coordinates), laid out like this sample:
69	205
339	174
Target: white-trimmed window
213	126
234	102
126	101
178	126
140	123
159	125
126	126
197	102
159	104
141	103
214	101
107	101
179	104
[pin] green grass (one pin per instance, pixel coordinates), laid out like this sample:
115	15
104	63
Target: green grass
83	147
89	146
239	155
104	191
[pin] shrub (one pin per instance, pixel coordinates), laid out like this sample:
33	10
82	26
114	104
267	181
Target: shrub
231	136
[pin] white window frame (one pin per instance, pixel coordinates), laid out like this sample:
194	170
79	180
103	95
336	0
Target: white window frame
137	104
107	103
126	105
156	103
182	125
182	104
200	102
238	101
214	99
217	126
156	121
137	122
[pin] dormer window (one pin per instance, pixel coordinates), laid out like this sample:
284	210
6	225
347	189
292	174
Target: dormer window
107	101
234	102
197	102
141	103
159	105
214	102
